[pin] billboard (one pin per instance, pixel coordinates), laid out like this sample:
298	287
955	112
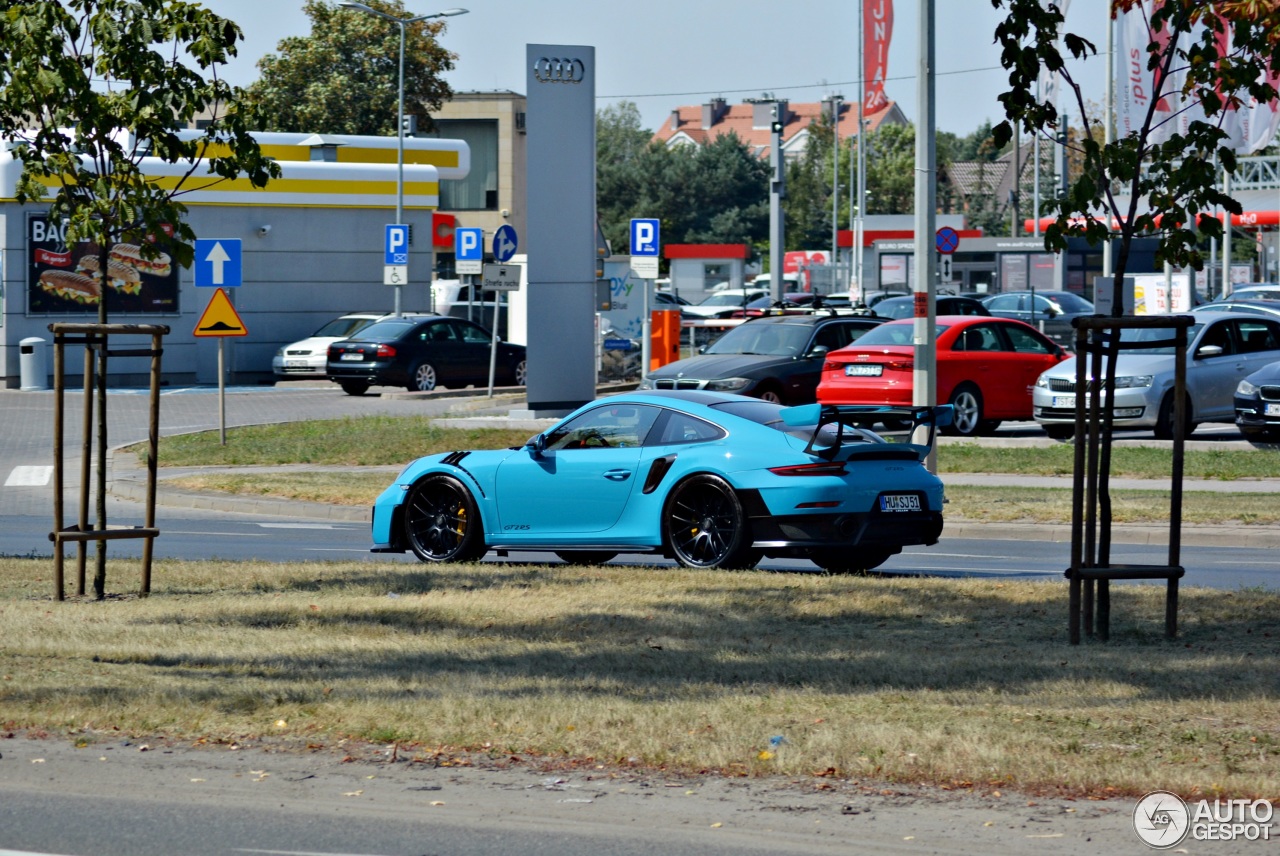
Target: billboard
65	279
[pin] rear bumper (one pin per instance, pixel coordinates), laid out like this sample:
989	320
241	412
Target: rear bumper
793	534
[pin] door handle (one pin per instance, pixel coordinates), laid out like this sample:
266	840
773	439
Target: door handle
617	475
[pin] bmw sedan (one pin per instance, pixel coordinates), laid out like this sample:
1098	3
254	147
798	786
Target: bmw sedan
420	354
1223	348
708	479
777	358
1257	403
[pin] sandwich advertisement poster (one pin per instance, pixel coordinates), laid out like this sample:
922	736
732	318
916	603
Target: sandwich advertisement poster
66	279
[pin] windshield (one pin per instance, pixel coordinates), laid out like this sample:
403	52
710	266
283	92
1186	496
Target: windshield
1153	334
782	340
896	307
724	299
1071	302
895	334
341	328
384	330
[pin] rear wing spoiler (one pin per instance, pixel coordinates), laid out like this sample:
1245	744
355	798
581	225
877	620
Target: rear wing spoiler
840	415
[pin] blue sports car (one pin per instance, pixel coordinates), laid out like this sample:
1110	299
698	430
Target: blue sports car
712	480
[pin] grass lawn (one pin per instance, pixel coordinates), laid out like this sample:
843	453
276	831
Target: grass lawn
968	684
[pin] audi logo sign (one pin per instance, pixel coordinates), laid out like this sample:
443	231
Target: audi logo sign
559	70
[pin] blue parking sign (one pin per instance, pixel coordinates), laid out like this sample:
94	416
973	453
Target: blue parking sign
468	244
645	237
396	251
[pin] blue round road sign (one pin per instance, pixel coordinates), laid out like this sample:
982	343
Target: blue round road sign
947	240
504	243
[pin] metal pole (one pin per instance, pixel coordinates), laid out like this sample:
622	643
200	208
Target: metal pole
493	344
924	378
1227	285
776	192
858	238
400	156
1108	120
1035	176
222	393
646	331
835	185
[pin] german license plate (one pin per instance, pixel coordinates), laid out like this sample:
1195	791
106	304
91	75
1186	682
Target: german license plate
295	364
1272	410
1064	401
862	370
895	502
352	358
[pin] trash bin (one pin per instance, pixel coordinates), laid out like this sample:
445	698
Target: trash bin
32	364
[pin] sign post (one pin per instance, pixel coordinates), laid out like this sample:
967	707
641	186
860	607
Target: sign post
468	250
220	320
646	237
395	252
499	278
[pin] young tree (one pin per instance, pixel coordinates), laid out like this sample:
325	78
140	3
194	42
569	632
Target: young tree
88	89
343	78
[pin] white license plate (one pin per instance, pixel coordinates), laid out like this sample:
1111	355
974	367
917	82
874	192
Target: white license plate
895	502
295	364
1064	401
352	358
1272	410
863	370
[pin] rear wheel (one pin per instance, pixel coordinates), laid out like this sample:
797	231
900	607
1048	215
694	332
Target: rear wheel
520	372
422	378
441	521
585	557
704	525
354	387
1164	422
966	403
849	560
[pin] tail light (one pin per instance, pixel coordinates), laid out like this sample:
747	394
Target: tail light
900	365
823	468
385	351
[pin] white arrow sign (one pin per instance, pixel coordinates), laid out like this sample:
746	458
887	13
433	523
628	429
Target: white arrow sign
217	257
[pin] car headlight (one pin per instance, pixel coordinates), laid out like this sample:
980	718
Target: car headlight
645	383
729	384
1134	382
1246	390
1042	382
280	352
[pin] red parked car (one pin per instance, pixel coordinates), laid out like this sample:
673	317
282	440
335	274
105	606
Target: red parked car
987	367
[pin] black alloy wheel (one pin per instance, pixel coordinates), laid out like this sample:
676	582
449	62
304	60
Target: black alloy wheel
704	525
442	522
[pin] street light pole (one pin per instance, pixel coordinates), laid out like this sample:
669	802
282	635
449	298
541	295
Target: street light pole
402	23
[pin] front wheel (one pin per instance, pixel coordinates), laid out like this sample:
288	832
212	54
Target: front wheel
705	526
850	560
1164	422
770	394
520	372
422	378
442	522
966	403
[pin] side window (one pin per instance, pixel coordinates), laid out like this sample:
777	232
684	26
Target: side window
1024	341
677	428
606	427
473	335
440	332
1218	334
979	337
833	336
1255	336
1003	303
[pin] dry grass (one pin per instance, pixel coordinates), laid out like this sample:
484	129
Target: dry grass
960	683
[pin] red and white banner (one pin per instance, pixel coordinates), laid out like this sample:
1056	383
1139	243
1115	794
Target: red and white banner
877	32
1249	127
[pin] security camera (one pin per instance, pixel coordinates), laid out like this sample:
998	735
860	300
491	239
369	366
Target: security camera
263	230
505	213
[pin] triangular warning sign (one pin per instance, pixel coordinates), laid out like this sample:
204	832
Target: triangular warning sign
220	318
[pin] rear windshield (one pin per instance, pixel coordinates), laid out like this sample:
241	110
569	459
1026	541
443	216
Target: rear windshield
383	330
769	414
341	328
895	334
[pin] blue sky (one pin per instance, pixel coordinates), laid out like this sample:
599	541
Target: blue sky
665	53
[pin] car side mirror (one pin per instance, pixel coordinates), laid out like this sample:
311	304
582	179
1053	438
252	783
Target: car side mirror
819	350
1209	351
537	445
702	349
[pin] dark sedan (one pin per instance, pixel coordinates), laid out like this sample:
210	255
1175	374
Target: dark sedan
1051	313
1257	403
776	358
421	354
905	307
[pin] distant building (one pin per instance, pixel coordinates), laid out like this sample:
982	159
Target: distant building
751	121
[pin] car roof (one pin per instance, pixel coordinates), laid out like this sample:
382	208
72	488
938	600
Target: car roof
814	319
